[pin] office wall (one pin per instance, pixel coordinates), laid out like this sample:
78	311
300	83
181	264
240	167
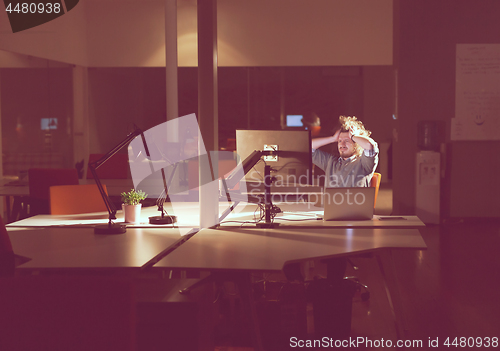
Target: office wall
63	39
120	98
379	101
250	33
28	95
131	33
428	34
249	97
126	33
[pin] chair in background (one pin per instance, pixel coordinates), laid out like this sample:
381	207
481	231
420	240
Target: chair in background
74	199
114	168
40	180
7	260
375	183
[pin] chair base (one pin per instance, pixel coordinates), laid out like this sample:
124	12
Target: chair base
362	288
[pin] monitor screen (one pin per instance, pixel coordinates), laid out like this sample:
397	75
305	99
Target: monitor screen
293	163
294	121
48	123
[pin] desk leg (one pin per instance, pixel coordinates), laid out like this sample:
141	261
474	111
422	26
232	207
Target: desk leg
8	210
19	210
394	299
243	281
244	284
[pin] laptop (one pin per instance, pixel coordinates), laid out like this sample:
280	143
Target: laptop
342	204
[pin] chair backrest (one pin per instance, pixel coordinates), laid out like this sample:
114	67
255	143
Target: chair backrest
375	183
74	199
6	252
41	179
114	168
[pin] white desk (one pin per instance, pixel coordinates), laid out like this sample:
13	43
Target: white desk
256	249
87	220
71	248
307	215
68	242
247	249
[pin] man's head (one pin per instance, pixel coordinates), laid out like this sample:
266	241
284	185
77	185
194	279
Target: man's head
346	146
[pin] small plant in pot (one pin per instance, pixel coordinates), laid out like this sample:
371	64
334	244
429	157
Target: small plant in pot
132	205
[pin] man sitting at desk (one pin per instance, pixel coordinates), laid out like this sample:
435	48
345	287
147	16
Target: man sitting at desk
358	155
354	167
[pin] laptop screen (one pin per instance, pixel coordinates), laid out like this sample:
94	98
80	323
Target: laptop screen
348	203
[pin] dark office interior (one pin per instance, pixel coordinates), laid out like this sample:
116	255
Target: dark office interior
104	70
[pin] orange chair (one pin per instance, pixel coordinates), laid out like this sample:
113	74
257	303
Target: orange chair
41	179
74	199
375	183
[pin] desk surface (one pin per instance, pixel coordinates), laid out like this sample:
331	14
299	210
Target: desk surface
269	249
186	221
300	214
295	214
69	242
80	248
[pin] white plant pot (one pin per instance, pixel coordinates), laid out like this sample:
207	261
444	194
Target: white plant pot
132	213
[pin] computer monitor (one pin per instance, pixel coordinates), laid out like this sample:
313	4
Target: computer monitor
48	123
291	161
294	121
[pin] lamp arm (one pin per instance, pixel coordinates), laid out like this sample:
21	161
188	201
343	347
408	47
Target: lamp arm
107	201
124	142
96	164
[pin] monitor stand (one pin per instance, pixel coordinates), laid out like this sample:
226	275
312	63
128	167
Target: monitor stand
268	204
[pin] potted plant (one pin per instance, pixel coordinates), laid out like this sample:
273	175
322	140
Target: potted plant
132	205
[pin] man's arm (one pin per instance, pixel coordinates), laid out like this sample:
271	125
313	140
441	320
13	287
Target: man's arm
365	142
319	142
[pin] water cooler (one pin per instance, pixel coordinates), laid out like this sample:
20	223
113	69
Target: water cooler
428	190
428	174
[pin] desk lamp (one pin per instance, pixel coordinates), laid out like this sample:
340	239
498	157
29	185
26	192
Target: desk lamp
168	219
113	228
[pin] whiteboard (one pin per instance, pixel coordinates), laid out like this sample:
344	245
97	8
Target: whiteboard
477	93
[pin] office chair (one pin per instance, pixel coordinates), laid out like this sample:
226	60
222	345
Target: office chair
74	199
375	183
365	295
40	180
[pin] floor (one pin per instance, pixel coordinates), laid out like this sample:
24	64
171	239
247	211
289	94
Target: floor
449	292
